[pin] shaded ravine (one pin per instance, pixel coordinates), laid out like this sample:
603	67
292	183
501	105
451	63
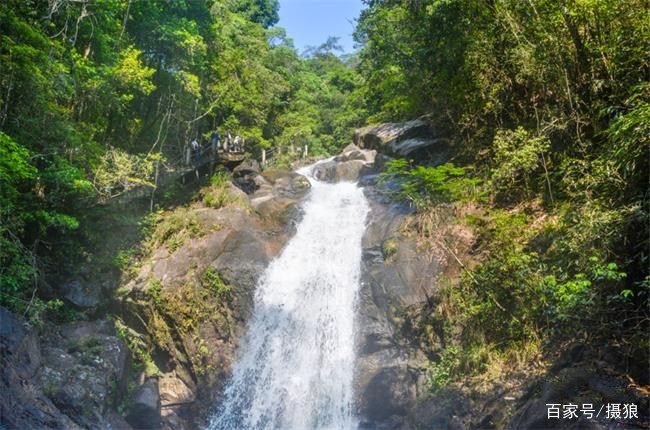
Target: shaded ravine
295	367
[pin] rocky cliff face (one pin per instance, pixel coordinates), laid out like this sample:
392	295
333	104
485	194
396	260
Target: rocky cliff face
398	277
390	370
400	289
185	307
192	301
415	139
69	377
181	313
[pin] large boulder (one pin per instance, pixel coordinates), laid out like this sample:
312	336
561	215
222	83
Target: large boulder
173	391
19	345
88	289
334	171
390	372
353	152
414	139
350	165
82	293
144	411
22	404
67	379
279	196
83	371
247	176
190	302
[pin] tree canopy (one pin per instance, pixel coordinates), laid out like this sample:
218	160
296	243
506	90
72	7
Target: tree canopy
95	93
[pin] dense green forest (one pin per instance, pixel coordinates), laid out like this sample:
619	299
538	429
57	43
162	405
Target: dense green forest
546	104
95	95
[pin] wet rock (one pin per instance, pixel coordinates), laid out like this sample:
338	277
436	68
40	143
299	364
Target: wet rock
334	171
144	412
242	261
414	139
195	325
292	186
349	165
247	176
283	191
389	370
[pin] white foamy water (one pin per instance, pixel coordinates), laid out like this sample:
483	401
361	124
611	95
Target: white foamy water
294	369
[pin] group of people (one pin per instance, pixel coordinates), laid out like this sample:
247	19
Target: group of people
230	144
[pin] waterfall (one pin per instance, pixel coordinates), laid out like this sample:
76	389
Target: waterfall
294	369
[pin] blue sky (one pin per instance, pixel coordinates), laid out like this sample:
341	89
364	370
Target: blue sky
310	22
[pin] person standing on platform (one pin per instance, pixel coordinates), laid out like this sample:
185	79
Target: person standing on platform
215	143
228	142
195	151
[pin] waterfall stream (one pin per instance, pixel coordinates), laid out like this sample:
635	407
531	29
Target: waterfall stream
294	369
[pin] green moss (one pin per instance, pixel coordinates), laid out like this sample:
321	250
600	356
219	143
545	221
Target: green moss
150	368
124	259
160	332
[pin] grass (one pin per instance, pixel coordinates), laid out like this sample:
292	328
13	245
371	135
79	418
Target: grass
138	347
389	249
173	229
213	282
218	193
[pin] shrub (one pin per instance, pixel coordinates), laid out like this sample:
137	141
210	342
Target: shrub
389	249
174	229
138	348
218	194
426	186
213	282
120	171
443	371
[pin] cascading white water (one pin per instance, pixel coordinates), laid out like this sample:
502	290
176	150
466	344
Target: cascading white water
294	370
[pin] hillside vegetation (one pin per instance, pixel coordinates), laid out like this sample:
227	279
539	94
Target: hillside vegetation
547	105
97	96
